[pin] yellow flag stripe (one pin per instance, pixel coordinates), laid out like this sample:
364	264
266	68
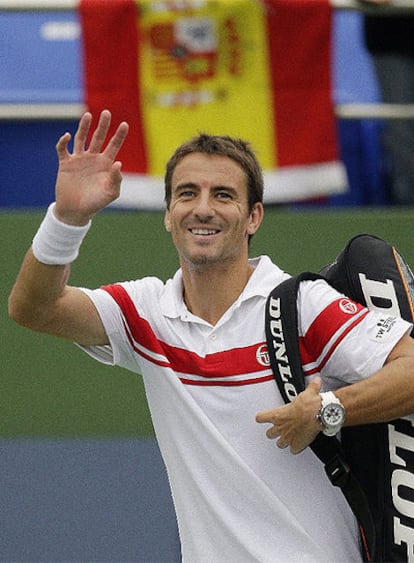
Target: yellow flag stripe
204	68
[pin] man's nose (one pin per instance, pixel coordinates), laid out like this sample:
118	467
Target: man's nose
204	206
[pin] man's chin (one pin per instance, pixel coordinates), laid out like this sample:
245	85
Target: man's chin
202	259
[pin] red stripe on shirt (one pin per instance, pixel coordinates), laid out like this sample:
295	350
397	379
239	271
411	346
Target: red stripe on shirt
237	361
139	328
328	327
331	350
140	351
226	383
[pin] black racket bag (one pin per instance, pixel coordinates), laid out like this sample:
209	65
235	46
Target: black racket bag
373	464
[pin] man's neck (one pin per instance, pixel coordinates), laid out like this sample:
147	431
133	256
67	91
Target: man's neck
209	292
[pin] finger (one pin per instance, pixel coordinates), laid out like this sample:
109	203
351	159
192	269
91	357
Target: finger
264	416
81	134
272	433
282	444
101	131
117	140
116	177
271	415
315	384
62	146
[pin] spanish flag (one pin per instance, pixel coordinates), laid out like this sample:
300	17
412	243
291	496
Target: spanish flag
259	70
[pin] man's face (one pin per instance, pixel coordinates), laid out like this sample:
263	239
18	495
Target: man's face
208	216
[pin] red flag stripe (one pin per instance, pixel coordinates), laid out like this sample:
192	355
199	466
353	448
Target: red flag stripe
111	71
301	80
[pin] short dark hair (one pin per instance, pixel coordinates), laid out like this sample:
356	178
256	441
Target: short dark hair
220	145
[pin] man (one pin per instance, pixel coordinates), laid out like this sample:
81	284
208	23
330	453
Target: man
199	343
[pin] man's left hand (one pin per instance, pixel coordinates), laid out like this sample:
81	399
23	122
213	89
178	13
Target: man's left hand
295	424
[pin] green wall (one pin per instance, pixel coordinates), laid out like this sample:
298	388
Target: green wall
49	388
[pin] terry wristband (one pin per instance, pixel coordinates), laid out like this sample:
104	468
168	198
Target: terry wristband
57	243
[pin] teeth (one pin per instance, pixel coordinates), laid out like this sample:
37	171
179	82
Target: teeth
203	231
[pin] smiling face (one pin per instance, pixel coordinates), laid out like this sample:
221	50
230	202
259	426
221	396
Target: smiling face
208	215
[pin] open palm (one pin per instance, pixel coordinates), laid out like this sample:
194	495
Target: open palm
89	178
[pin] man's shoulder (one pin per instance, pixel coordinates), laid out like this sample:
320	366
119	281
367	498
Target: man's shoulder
265	266
146	288
265	277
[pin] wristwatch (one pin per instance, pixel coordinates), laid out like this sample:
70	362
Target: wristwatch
331	414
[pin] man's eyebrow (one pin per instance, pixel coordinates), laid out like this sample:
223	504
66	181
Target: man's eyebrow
221	187
185	185
194	186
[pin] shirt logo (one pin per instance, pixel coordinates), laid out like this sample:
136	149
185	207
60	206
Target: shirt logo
348	307
262	355
384	327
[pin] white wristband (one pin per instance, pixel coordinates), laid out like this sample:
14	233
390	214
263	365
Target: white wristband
57	243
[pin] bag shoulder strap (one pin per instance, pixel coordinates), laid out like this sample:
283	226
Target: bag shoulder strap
281	323
281	319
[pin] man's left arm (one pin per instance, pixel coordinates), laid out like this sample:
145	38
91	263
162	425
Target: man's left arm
385	395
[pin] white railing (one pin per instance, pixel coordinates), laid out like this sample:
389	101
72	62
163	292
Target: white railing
45	111
19	5
397	5
374	111
73	111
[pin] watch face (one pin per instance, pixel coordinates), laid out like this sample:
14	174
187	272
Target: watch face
333	415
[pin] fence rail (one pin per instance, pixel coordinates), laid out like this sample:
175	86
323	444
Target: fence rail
396	6
374	111
73	111
55	5
64	111
44	112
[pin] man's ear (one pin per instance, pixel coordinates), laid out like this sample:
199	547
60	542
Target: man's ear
167	221
256	217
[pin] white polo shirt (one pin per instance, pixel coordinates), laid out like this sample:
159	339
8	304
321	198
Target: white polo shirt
238	497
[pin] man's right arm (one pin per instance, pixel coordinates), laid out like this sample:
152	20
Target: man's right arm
42	301
88	180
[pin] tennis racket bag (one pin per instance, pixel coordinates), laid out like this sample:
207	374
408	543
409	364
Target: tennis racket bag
373	465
